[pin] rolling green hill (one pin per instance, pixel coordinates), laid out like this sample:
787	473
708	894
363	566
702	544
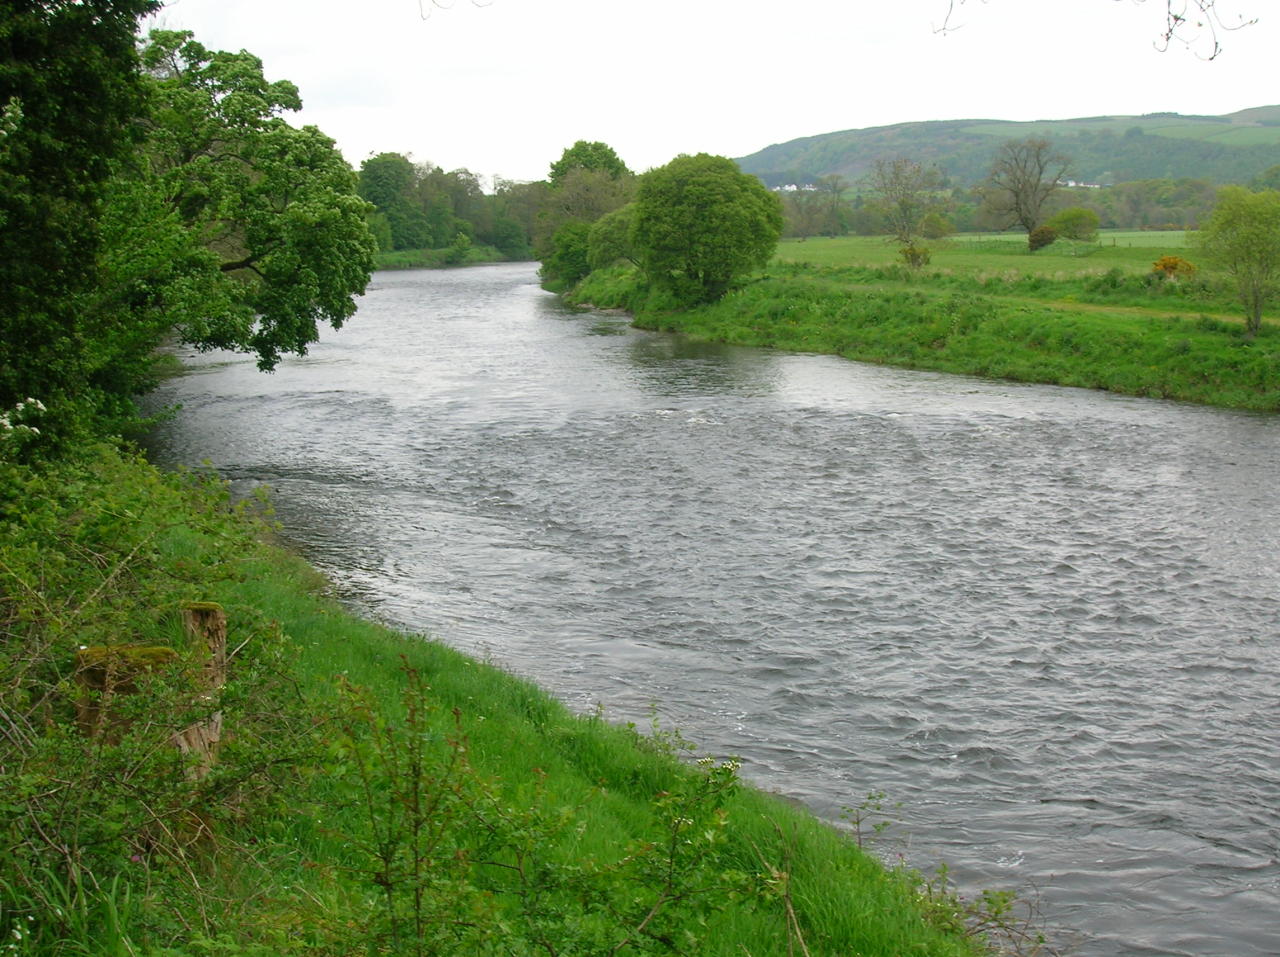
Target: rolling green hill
1104	149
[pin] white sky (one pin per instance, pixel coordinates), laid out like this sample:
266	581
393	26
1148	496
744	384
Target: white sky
502	88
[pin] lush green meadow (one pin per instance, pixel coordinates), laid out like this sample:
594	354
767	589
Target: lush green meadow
375	793
1089	315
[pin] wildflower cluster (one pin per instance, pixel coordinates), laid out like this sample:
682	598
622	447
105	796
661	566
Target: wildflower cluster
16	429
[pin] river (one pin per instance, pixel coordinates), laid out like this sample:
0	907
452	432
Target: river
1045	620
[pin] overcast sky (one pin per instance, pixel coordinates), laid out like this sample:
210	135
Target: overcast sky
501	87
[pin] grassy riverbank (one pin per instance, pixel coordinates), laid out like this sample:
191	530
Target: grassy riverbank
1088	315
375	792
439	258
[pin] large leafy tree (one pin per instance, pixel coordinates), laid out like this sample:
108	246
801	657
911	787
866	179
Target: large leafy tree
262	217
587	155
700	224
70	91
1242	240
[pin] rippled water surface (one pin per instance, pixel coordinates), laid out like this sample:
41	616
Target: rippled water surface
1046	620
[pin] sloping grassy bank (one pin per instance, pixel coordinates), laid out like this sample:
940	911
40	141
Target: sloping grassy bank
374	793
1116	330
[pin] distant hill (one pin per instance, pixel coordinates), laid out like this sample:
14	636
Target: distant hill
1104	149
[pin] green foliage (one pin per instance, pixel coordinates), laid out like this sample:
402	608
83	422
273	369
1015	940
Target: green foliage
1075	222
457	866
1040	237
94	554
587	156
915	256
936	226
269	214
700	225
568	261
1242	241
71	92
609	241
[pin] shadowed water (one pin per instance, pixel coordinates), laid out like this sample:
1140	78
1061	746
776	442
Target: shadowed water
1046	620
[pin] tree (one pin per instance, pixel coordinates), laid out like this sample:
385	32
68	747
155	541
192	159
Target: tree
609	240
1242	239
700	224
1076	222
1024	174
273	238
589	156
905	194
70	90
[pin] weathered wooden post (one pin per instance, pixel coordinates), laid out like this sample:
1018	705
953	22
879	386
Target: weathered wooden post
206	626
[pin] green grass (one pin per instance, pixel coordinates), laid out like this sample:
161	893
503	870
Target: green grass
545	825
985	307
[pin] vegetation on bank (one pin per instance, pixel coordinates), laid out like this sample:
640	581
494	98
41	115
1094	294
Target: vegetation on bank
459	254
1094	316
372	792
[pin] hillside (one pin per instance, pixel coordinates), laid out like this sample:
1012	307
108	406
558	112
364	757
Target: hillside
1104	149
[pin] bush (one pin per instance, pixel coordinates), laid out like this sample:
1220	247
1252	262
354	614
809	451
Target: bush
1040	237
569	260
1173	268
914	256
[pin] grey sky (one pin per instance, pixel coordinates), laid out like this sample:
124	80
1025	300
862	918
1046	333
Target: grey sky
501	87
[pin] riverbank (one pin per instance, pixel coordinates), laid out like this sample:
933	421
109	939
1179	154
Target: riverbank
1096	318
439	258
373	791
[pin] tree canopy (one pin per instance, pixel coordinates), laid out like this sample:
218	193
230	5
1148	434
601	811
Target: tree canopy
1242	240
588	156
700	224
151	189
275	228
70	90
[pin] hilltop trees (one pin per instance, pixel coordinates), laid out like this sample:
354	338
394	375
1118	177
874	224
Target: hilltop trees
1024	174
1242	239
700	224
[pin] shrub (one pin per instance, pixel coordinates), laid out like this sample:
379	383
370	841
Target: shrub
1040	237
914	256
1173	268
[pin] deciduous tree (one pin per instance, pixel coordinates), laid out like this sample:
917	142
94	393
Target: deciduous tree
276	239
1075	222
1024	174
1242	240
905	192
700	224
590	156
70	90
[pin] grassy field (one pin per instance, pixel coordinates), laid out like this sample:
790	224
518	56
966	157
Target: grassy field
375	793
1089	315
1131	251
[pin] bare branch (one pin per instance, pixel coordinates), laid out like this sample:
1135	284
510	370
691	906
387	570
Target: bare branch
1188	22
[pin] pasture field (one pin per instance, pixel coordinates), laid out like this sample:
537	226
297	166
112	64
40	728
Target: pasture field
1131	251
1093	315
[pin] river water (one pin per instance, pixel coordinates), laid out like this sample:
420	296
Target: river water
1045	620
